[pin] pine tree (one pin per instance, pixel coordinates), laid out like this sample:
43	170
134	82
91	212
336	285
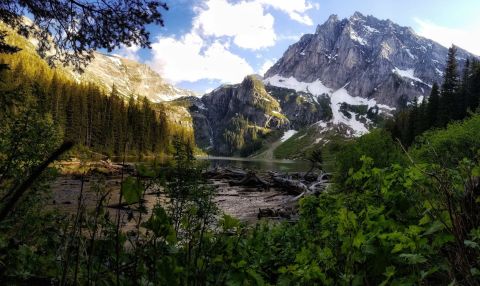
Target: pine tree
461	102
448	106
433	107
422	118
473	85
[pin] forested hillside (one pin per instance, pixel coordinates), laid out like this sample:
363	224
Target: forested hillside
456	97
82	112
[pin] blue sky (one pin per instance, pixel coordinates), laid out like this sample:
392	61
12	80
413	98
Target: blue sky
209	42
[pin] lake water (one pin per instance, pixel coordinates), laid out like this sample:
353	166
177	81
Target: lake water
258	164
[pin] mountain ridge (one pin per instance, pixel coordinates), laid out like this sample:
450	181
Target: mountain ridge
372	58
129	77
347	77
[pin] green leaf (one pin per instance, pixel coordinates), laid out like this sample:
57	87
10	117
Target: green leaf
257	277
411	258
159	223
359	239
424	220
476	171
229	222
145	171
398	247
471	244
132	190
436	226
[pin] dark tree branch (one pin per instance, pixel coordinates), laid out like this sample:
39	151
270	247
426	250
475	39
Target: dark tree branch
18	192
70	30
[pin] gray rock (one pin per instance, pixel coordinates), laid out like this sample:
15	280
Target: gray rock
361	53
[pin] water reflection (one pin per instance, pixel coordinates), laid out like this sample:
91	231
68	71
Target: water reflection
257	164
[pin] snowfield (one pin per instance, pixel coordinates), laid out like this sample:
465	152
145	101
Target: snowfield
317	88
288	134
408	73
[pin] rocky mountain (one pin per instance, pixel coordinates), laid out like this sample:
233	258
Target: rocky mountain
130	78
237	119
232	117
344	78
366	57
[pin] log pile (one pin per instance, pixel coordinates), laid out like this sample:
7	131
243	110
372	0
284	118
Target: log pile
297	185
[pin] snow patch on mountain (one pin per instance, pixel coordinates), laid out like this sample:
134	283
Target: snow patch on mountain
288	134
316	88
370	29
341	96
357	38
410	54
337	98
408	73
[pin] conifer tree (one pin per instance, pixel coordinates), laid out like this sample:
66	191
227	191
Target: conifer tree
433	107
448	106
473	85
461	102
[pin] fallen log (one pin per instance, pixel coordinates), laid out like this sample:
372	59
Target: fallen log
226	173
274	213
125	205
251	180
292	186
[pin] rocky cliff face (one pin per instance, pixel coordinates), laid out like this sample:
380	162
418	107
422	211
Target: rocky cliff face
238	115
234	119
371	58
130	78
343	78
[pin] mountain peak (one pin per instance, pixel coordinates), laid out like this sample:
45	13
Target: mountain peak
333	18
370	57
357	16
331	22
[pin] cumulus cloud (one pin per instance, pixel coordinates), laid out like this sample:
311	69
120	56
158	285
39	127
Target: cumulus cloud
130	53
466	38
191	59
204	52
265	66
295	9
246	22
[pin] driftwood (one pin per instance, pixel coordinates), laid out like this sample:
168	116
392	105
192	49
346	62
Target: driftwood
275	213
251	180
125	205
315	188
225	173
297	184
292	186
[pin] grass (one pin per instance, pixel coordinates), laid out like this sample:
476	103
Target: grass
296	145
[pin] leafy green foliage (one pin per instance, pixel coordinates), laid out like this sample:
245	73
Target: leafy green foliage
348	154
132	190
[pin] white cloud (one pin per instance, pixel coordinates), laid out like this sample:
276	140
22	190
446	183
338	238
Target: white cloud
266	65
246	22
295	9
204	52
466	38
191	59
130	53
